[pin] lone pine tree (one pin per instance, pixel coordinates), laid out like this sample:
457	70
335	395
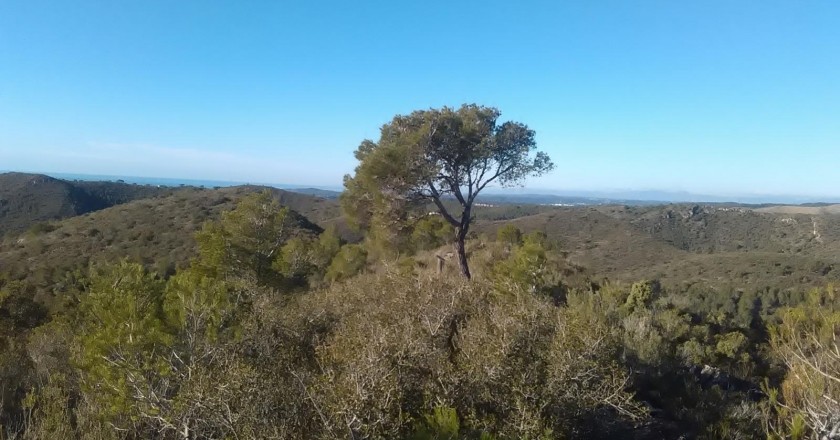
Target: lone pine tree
436	155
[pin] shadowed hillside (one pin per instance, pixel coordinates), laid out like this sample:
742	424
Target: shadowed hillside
28	199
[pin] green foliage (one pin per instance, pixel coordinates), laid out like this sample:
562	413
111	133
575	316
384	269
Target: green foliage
731	344
509	234
246	240
431	232
124	339
534	268
305	261
641	295
296	259
805	342
676	366
441	424
525	270
197	306
797	427
327	247
148	351
350	260
48	411
263	241
428	154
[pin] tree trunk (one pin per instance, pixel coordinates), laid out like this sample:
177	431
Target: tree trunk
460	249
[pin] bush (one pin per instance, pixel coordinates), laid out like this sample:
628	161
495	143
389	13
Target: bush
509	234
392	348
351	259
806	342
41	228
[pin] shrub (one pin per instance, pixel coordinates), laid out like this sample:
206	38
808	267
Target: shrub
351	259
392	348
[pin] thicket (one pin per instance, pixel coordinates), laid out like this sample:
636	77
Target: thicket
277	331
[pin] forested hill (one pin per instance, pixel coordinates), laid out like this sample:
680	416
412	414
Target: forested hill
28	199
158	232
673	321
725	247
713	246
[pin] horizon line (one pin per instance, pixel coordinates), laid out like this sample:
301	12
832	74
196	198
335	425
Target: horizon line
603	194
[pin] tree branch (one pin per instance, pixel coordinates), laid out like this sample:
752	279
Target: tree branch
499	172
442	209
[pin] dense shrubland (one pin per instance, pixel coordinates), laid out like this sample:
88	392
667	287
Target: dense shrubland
280	330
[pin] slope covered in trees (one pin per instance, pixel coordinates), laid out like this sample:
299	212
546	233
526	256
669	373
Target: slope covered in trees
726	248
276	328
156	232
29	199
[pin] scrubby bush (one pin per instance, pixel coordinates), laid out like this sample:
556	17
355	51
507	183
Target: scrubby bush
516	367
808	401
509	234
350	260
431	232
275	331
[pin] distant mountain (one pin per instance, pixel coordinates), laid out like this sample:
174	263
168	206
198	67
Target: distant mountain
558	200
649	197
323	193
29	199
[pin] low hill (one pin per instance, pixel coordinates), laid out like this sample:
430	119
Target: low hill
29	199
158	232
721	246
802	209
322	193
707	245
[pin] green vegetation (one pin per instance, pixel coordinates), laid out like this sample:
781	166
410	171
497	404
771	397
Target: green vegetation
257	313
30	201
158	233
431	154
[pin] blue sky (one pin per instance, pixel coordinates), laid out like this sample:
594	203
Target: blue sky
714	97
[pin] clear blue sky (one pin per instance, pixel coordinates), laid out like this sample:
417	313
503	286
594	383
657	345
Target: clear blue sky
720	97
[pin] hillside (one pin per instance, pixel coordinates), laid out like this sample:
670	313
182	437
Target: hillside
682	244
318	192
726	271
802	209
28	199
718	246
158	232
721	247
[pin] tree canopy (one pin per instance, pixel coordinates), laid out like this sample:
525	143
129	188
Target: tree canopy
439	154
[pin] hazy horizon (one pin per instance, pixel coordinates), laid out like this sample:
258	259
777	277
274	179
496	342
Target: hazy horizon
734	99
638	194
